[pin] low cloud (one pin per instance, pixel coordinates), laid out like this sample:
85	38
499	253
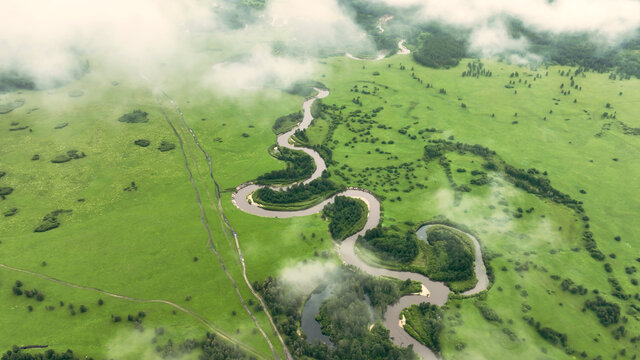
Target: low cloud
129	344
45	39
261	69
304	277
606	21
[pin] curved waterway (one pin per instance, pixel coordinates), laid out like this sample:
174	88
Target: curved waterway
434	292
309	324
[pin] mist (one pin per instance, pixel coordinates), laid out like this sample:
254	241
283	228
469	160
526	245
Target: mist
302	278
46	39
606	22
50	41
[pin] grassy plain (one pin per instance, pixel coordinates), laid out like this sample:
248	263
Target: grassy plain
143	243
542	243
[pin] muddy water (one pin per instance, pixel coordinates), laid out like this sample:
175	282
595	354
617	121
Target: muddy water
309	325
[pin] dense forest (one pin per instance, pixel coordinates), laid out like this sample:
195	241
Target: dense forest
319	188
345	316
449	255
346	216
287	122
391	246
439	50
12	80
424	324
300	166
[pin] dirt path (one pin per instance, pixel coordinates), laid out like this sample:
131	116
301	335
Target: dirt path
234	233
205	224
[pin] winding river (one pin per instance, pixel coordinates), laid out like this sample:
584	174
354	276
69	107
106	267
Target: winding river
434	292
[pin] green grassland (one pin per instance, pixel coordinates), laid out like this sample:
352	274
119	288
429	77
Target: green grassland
546	241
143	243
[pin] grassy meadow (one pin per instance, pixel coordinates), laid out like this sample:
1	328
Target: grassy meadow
144	243
570	145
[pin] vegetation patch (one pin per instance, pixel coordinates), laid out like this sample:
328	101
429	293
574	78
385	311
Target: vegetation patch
391	245
487	312
346	216
287	122
166	146
424	323
299	196
134	117
50	221
70	155
345	316
439	50
13	80
11	212
608	313
142	142
305	88
7	107
449	255
19	353
300	166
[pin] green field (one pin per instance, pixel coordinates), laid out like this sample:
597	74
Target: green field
143	243
570	145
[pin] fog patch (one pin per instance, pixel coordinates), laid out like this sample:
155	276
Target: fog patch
304	277
132	345
44	39
492	39
607	22
316	26
261	69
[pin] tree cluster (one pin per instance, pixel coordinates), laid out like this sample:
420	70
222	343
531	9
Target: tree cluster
344	315
297	193
424	323
452	257
346	216
16	353
50	221
286	122
438	50
136	116
299	166
391	246
608	313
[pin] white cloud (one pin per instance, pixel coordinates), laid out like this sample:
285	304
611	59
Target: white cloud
605	20
261	69
41	36
306	277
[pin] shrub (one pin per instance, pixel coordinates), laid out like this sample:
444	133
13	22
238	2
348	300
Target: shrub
136	116
166	146
142	142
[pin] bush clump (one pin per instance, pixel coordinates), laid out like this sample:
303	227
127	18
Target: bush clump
424	323
11	212
391	246
347	216
136	116
166	146
50	221
70	155
142	142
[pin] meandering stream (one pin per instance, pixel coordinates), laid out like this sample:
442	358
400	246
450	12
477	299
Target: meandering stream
438	292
